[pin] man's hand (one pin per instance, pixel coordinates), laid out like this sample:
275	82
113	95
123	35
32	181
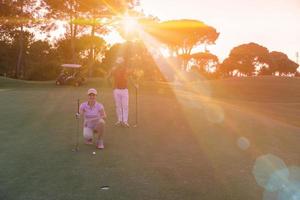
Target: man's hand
77	115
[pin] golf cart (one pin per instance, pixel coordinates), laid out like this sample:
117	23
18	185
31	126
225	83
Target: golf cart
70	75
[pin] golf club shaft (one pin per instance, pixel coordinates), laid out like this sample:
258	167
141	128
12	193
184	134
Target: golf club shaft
77	131
136	106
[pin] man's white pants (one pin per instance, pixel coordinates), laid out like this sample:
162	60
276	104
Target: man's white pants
121	101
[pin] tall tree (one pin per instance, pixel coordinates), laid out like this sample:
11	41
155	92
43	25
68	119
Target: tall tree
17	17
65	10
84	44
42	61
280	63
91	15
182	36
99	14
136	56
5	58
81	47
205	61
244	59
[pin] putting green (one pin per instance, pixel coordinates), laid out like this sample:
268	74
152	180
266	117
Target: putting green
192	142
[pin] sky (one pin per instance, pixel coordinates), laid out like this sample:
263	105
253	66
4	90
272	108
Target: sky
274	24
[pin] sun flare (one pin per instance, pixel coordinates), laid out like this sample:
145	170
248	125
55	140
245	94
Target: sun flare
129	23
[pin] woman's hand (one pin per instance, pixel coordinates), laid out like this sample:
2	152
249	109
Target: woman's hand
77	115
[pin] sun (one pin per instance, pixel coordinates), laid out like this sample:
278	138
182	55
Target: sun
129	24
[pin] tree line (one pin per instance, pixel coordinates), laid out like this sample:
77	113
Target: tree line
86	22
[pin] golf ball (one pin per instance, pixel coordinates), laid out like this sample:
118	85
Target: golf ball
94	152
243	143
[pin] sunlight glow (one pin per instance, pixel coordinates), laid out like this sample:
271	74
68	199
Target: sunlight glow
129	24
238	24
195	94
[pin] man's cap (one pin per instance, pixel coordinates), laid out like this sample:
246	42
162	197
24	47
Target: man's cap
120	60
92	91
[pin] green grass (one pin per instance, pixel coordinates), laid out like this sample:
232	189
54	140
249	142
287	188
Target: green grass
185	146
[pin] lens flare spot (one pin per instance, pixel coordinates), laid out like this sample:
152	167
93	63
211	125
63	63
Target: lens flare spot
270	172
291	191
214	113
243	143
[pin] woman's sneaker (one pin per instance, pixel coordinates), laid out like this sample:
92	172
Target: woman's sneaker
100	144
89	141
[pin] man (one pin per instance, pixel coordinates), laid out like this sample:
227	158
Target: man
94	115
120	75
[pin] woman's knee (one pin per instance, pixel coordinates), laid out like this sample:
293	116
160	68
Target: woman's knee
100	126
87	133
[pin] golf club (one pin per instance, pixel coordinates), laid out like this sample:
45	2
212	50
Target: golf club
77	131
136	107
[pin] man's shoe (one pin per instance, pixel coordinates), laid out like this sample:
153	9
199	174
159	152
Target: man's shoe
125	124
118	123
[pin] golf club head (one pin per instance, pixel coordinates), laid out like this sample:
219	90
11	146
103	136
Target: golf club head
76	149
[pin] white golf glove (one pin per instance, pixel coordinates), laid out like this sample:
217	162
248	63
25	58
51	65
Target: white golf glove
77	115
102	121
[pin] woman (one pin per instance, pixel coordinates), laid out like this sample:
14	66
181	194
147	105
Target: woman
94	116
